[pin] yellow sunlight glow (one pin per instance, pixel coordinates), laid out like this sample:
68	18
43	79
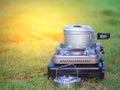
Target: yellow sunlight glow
26	21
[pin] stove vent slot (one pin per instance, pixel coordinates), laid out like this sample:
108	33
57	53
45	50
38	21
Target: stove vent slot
70	61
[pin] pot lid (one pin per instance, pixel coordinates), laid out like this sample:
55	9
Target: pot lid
78	28
66	79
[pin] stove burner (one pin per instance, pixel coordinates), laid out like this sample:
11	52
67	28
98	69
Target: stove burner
76	51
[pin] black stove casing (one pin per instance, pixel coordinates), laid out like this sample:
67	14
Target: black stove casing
85	71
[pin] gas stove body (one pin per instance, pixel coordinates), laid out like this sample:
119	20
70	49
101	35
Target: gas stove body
77	55
79	49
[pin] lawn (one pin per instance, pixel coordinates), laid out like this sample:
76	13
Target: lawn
31	29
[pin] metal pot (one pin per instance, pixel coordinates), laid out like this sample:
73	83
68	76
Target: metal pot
65	81
81	36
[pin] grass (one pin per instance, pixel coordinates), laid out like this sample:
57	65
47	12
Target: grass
31	29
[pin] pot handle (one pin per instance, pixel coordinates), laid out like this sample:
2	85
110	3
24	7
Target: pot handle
103	35
67	66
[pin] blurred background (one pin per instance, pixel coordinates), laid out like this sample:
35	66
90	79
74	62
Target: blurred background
31	29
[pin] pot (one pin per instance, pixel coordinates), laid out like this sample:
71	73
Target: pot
67	81
81	36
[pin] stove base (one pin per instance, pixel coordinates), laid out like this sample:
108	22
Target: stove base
89	71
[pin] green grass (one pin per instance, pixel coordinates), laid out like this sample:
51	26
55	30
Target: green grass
31	29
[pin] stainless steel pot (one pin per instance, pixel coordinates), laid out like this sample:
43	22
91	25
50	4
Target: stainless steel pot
64	82
81	36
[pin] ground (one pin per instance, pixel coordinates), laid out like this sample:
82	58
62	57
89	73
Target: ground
31	29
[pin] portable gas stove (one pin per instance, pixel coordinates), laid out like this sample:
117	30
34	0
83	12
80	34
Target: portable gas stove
79	50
